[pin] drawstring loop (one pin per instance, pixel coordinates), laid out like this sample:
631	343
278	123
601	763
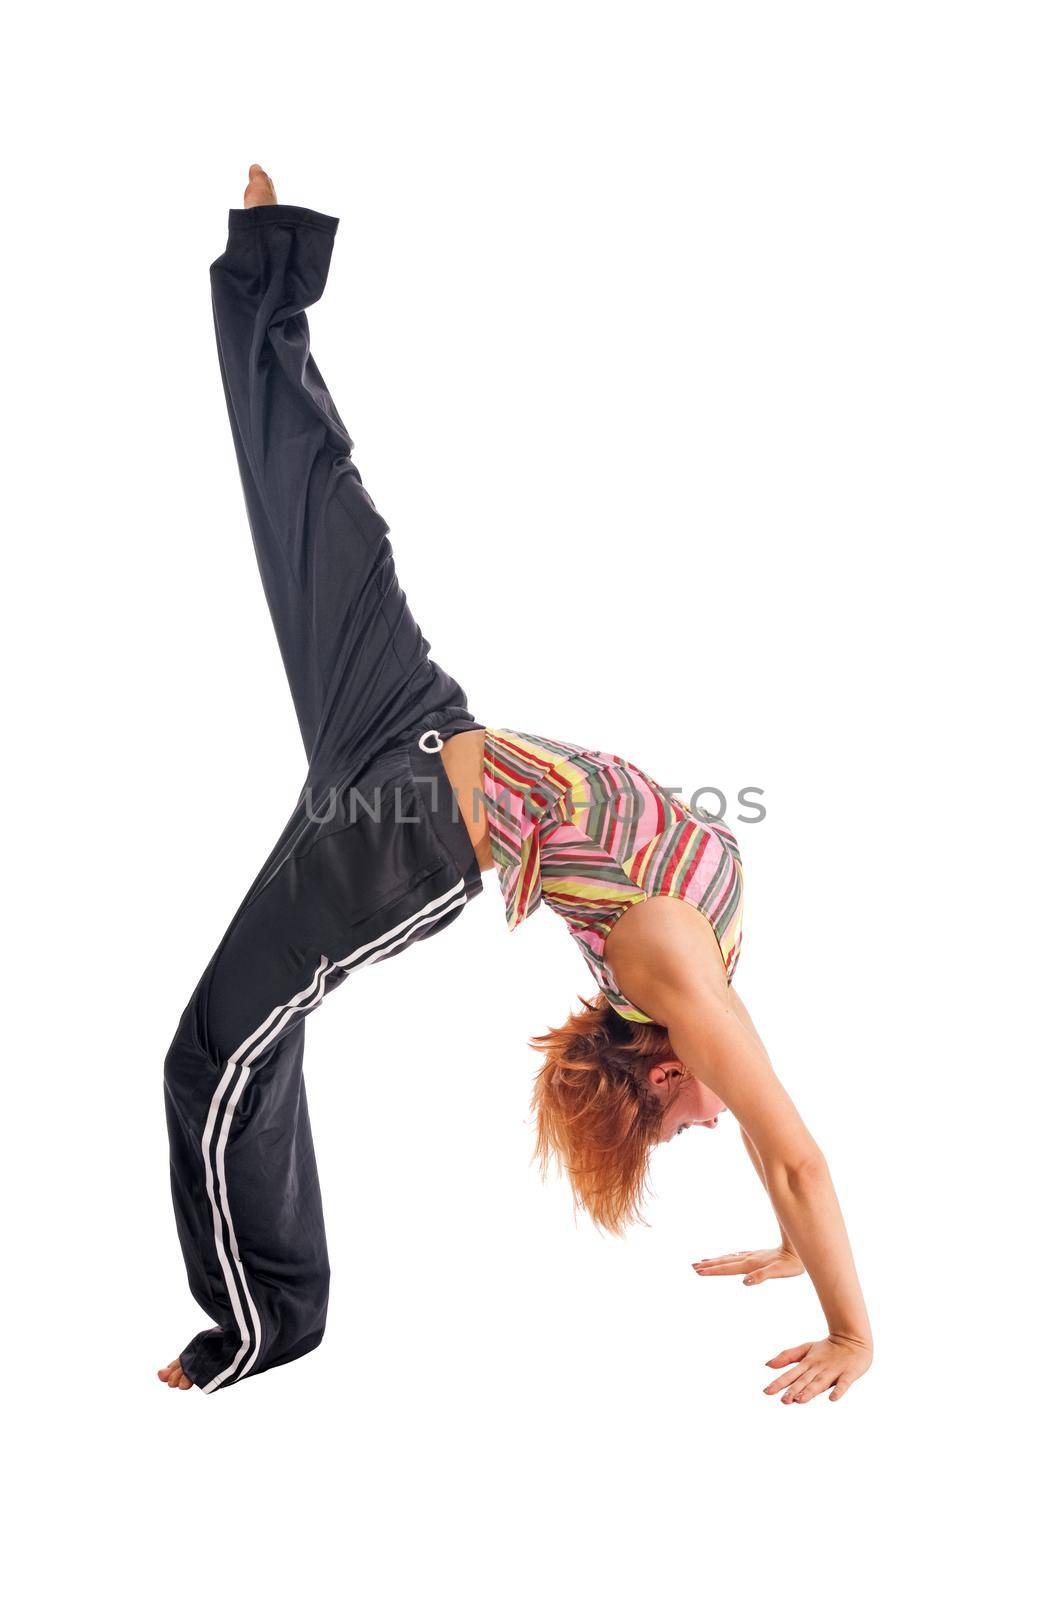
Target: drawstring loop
430	749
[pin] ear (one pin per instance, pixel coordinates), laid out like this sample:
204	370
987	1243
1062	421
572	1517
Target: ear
664	1072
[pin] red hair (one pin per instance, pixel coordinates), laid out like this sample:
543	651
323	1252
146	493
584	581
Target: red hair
597	1115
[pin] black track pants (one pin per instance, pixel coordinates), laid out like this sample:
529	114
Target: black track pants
374	856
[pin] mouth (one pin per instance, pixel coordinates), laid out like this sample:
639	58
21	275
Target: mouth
706	1122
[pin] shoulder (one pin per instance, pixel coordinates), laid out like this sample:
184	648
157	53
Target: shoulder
661	952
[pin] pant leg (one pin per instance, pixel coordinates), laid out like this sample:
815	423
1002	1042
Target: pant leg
358	666
247	1202
334	896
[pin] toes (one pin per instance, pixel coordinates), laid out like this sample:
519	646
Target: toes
174	1376
258	177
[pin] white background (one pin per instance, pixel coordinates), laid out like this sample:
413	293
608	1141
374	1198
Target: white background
705	361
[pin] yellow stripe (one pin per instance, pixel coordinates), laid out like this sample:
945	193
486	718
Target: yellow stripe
578	889
543	757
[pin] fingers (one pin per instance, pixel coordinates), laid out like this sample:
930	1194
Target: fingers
811	1370
785	1381
801	1383
723	1266
804	1382
811	1385
758	1266
786	1358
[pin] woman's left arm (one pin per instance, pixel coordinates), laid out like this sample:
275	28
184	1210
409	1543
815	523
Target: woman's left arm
715	1046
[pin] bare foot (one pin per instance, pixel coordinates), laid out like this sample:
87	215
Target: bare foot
260	190
174	1376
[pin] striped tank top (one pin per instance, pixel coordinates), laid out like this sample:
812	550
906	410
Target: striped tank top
591	835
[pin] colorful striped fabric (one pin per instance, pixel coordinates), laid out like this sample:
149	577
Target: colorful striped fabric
591	835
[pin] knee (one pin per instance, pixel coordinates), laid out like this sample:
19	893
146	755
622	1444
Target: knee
192	1054
317	1299
176	1054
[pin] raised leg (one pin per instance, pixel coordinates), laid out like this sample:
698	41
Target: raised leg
357	663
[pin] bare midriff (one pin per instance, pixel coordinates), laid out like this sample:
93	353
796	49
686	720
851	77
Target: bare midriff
463	761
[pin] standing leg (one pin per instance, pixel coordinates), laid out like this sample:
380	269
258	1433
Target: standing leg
242	1163
247	1202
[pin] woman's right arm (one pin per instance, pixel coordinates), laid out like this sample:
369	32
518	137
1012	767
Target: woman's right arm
712	1044
670	968
756	1266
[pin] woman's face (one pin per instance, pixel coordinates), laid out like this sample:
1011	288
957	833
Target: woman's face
691	1105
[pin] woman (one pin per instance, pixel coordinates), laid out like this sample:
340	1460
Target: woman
407	801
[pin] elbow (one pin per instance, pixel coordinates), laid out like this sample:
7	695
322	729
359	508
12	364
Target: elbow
805	1170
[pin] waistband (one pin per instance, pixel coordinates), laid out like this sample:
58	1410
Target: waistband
440	802
333	805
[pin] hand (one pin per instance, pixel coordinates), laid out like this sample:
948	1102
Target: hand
758	1265
833	1363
